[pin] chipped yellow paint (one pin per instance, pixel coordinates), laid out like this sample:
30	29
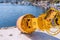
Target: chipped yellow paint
28	23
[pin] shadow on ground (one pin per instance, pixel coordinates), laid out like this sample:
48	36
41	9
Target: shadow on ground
40	36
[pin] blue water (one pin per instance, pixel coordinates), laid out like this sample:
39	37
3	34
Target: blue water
9	13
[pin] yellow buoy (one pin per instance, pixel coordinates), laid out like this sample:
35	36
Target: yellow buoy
48	21
24	24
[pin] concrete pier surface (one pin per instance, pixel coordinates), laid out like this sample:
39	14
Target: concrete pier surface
12	33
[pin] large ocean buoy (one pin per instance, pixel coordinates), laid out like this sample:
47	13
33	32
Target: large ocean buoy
48	21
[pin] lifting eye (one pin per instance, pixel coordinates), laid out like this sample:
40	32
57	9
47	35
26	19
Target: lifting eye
28	23
28	19
29	26
51	10
48	13
56	21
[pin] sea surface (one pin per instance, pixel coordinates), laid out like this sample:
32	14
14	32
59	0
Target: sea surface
9	13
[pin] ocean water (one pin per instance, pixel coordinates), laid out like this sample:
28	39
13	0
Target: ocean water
9	13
